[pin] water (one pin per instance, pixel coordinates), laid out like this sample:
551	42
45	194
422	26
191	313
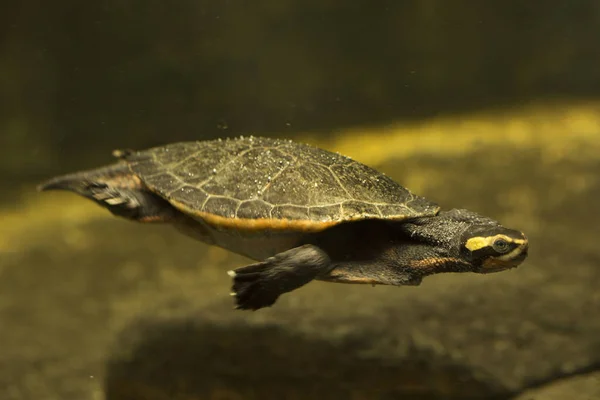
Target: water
483	108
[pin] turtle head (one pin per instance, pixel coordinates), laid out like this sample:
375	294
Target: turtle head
463	240
492	248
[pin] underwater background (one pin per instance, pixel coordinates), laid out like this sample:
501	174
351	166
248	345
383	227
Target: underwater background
492	106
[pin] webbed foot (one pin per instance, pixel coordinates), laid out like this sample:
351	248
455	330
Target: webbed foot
259	285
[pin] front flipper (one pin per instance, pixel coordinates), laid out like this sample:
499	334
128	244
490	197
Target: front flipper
374	272
259	285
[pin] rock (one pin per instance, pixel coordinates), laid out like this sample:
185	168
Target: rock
584	387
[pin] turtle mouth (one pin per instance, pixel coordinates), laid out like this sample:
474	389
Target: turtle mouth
497	264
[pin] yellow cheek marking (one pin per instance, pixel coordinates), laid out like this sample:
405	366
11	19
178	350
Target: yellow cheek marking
479	242
514	253
509	256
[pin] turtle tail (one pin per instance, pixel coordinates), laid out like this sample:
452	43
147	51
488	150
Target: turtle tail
117	189
78	181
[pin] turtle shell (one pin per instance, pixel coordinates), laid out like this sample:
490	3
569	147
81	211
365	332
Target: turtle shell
260	183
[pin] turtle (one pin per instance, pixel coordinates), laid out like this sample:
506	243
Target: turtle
298	212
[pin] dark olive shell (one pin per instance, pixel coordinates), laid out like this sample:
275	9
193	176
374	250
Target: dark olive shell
265	183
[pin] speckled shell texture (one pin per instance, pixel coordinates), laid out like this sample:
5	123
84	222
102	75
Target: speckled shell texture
270	179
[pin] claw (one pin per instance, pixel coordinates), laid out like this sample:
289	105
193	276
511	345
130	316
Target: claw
259	285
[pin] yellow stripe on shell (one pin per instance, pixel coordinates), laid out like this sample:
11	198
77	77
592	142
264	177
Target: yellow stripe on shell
272	224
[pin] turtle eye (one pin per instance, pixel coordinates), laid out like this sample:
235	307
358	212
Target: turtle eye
501	246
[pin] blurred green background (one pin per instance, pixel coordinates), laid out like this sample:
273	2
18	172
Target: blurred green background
79	79
491	105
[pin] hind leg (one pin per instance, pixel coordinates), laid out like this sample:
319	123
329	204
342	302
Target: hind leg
259	285
118	190
135	204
